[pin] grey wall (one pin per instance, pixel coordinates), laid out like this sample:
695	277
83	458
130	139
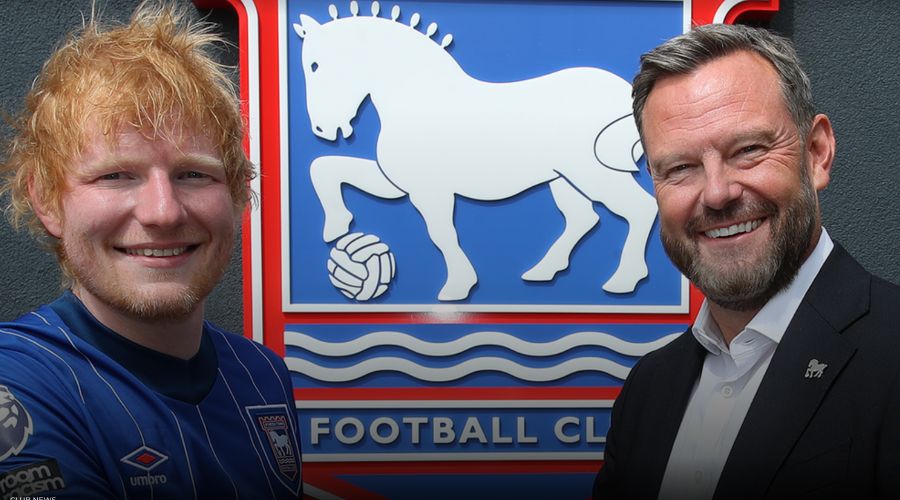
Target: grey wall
849	49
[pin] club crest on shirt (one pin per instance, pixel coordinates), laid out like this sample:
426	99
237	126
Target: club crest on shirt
276	435
15	424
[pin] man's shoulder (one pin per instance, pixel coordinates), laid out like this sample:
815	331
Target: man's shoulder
38	331
38	349
42	365
861	307
40	317
882	298
844	288
242	347
881	324
255	365
885	294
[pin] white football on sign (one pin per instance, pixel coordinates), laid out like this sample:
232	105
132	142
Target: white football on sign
361	266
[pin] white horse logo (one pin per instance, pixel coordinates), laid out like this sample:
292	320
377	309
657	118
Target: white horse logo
445	133
281	442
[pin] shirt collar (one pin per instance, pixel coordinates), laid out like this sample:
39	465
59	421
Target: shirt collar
185	380
773	319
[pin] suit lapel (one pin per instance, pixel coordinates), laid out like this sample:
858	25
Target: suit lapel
787	399
672	383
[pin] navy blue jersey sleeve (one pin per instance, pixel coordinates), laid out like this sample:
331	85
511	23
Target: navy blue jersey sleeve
45	443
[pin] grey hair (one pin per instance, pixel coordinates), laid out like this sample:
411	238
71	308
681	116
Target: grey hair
685	53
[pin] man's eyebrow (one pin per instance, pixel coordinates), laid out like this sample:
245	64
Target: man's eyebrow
202	160
664	159
124	161
754	135
108	163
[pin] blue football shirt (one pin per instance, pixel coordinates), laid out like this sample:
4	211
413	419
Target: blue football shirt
86	413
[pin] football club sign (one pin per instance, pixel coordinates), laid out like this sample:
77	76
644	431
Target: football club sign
456	246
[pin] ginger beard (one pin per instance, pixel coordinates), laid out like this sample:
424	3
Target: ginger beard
736	282
164	299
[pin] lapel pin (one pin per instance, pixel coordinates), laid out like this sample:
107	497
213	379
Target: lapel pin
815	369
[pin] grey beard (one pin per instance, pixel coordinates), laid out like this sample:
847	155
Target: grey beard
750	287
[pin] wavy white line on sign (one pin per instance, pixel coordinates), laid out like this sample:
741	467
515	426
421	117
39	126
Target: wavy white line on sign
458	371
477	339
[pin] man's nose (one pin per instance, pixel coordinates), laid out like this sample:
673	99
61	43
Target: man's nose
721	188
159	202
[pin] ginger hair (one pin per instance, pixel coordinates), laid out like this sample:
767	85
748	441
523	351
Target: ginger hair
157	73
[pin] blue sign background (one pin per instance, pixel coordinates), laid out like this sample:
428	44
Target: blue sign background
497	42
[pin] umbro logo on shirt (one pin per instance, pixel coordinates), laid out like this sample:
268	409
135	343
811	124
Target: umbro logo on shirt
146	459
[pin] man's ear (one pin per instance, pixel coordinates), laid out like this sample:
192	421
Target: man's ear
48	217
820	147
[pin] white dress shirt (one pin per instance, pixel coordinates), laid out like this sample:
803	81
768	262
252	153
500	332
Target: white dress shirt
728	382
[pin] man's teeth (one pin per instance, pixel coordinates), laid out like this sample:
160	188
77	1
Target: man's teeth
744	227
156	252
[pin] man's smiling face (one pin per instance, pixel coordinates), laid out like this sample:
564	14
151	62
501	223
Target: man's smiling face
146	223
737	198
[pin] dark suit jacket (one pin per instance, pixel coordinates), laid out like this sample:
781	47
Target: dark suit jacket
837	436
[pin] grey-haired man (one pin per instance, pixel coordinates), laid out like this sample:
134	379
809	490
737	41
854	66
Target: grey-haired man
788	383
